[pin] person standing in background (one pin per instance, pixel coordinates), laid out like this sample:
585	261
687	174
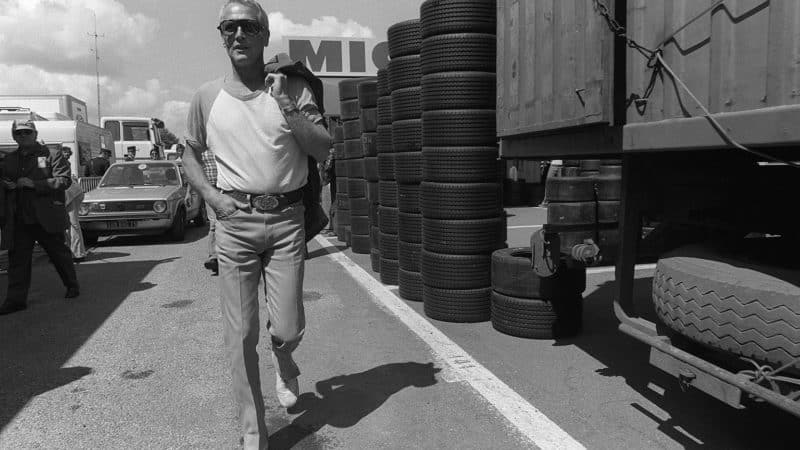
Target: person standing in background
34	179
210	171
73	197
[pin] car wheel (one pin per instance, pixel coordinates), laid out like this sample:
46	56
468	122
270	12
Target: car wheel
200	219
178	230
90	239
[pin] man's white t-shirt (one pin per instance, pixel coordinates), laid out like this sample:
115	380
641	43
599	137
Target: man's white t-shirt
252	143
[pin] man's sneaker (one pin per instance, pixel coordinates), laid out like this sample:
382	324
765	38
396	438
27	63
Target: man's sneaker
287	391
212	264
8	308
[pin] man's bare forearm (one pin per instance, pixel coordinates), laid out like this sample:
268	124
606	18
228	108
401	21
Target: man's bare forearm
194	170
313	138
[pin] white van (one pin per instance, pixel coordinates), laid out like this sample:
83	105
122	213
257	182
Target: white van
85	140
137	133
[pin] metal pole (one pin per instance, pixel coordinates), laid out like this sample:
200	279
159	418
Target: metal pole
96	51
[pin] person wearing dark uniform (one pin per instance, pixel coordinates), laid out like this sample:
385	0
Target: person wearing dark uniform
34	179
99	164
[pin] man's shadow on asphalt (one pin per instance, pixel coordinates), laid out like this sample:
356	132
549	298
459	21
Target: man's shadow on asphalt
346	399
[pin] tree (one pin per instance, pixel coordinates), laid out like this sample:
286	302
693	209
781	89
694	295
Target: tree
167	137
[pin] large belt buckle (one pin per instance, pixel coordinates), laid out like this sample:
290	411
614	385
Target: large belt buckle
265	202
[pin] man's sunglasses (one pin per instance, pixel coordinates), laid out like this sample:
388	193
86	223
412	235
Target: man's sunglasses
23	132
249	27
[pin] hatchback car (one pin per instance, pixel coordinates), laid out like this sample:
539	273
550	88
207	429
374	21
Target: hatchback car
141	198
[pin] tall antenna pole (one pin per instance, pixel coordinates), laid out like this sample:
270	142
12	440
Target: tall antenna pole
96	52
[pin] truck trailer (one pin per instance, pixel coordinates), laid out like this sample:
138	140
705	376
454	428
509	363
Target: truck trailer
698	100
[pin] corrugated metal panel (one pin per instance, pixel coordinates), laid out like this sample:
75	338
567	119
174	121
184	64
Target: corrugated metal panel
742	55
555	65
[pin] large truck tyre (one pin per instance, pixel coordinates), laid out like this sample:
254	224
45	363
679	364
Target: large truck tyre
738	303
404	38
457	16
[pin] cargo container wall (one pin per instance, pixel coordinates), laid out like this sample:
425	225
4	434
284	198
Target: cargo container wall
555	66
741	58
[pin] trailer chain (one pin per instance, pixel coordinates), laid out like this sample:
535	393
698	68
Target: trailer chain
656	63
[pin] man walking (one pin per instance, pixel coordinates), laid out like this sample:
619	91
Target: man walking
34	181
261	132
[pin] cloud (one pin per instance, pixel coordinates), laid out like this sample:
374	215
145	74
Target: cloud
280	26
150	100
53	34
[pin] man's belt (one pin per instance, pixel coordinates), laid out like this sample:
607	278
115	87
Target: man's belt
267	202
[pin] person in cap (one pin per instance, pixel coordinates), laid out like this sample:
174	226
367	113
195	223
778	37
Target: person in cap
261	131
34	179
99	164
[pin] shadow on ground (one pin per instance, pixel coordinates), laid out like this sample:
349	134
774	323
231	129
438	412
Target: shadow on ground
37	342
710	423
344	400
322	251
193	234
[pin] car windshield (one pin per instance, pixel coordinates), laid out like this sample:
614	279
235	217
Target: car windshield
144	174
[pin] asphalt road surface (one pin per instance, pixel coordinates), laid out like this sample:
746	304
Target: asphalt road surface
136	362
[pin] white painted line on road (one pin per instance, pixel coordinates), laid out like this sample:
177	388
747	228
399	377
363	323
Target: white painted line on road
529	421
609	269
516	227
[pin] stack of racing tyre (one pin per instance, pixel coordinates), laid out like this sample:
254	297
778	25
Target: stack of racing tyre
354	185
336	131
406	137
463	220
404	46
355	150
525	305
342	216
382	144
608	186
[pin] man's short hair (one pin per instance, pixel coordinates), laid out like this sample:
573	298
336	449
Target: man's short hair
261	15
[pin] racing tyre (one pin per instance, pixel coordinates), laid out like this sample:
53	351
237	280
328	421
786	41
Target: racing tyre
383	83
570	189
353	149
349	109
389	271
460	164
458	90
456	305
459	52
457	127
375	259
404	72
355	168
410	227
456	16
408	167
404	38
460	200
348	89
536	319
513	275
369	120
388	193
464	237
360	224
368	93
360	244
384	110
407	135
456	271
371	168
406	103
577	213
409	255
408	198
389	246
383	141
356	188
352	129
386	164
388	219
410	285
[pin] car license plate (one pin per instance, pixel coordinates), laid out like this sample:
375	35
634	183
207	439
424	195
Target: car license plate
117	224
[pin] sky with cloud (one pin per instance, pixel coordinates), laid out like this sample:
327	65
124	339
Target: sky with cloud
154	54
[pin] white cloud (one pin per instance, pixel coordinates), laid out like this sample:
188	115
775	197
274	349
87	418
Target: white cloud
52	34
150	100
280	25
